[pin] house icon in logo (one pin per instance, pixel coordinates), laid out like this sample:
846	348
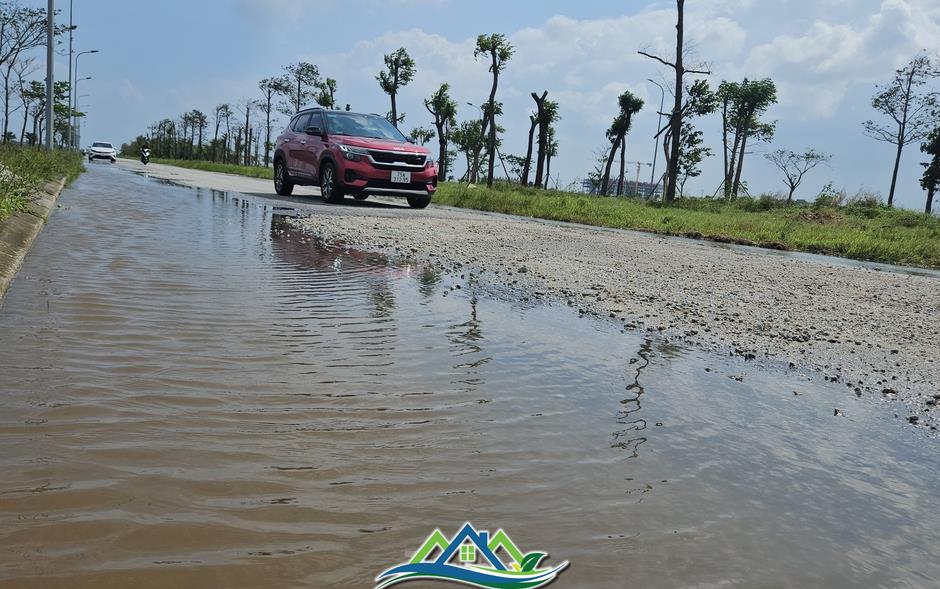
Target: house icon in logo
471	557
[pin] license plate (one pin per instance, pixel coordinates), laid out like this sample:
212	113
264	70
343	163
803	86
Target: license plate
401	177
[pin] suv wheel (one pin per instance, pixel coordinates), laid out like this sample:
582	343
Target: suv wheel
329	187
419	202
282	184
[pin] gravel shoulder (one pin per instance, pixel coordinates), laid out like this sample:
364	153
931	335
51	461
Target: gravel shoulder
875	331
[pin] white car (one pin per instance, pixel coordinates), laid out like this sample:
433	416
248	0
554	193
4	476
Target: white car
102	150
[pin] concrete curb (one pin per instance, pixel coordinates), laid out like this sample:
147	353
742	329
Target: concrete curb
19	231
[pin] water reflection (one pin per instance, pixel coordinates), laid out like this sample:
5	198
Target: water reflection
626	438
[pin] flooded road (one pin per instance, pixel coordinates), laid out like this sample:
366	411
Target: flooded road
194	395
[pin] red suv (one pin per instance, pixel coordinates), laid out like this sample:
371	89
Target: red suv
352	153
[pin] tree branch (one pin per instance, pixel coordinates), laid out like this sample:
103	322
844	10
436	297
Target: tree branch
657	58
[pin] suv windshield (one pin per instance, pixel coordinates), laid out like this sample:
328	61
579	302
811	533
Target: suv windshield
99	144
358	125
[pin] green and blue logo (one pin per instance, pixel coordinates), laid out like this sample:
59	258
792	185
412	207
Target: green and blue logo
477	562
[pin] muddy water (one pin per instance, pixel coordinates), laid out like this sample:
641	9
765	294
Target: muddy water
192	395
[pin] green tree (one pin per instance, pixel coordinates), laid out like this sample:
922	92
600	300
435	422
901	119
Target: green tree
499	51
546	114
551	150
421	135
692	152
399	71
200	122
326	97
629	105
912	112
930	181
444	110
742	104
468	138
298	86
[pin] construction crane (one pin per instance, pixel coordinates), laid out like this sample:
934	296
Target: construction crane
639	165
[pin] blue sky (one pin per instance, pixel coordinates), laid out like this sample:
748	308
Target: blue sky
161	58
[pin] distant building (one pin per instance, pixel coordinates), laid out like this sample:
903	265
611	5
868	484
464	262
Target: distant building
630	188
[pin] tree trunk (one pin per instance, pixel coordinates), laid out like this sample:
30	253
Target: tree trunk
605	181
267	133
894	174
394	110
442	153
526	168
491	147
724	143
543	138
790	196
623	165
930	192
737	175
676	120
548	169
6	106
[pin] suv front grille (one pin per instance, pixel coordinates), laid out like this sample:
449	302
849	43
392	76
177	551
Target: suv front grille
389	158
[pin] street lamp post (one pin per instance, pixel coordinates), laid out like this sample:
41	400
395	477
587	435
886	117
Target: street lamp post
78	105
50	74
659	126
74	96
75	119
71	53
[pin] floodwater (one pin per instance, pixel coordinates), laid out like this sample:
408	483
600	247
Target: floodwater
193	395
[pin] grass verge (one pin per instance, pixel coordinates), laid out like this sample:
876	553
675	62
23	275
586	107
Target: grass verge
862	231
250	171
25	170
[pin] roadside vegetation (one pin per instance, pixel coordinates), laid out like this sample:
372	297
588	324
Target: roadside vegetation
26	169
859	228
237	169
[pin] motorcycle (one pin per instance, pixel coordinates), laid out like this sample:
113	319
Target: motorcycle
145	156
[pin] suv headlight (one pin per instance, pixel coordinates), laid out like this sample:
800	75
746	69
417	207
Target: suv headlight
353	154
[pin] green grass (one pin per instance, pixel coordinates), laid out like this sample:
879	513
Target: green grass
25	171
250	171
862	232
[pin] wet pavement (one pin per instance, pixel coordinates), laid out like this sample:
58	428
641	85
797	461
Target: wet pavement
192	394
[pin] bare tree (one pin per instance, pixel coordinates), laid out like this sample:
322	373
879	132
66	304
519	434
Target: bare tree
499	50
796	165
23	70
270	87
540	119
675	118
21	29
399	71
245	108
912	112
527	164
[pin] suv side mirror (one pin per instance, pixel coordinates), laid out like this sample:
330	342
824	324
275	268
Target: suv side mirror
315	131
